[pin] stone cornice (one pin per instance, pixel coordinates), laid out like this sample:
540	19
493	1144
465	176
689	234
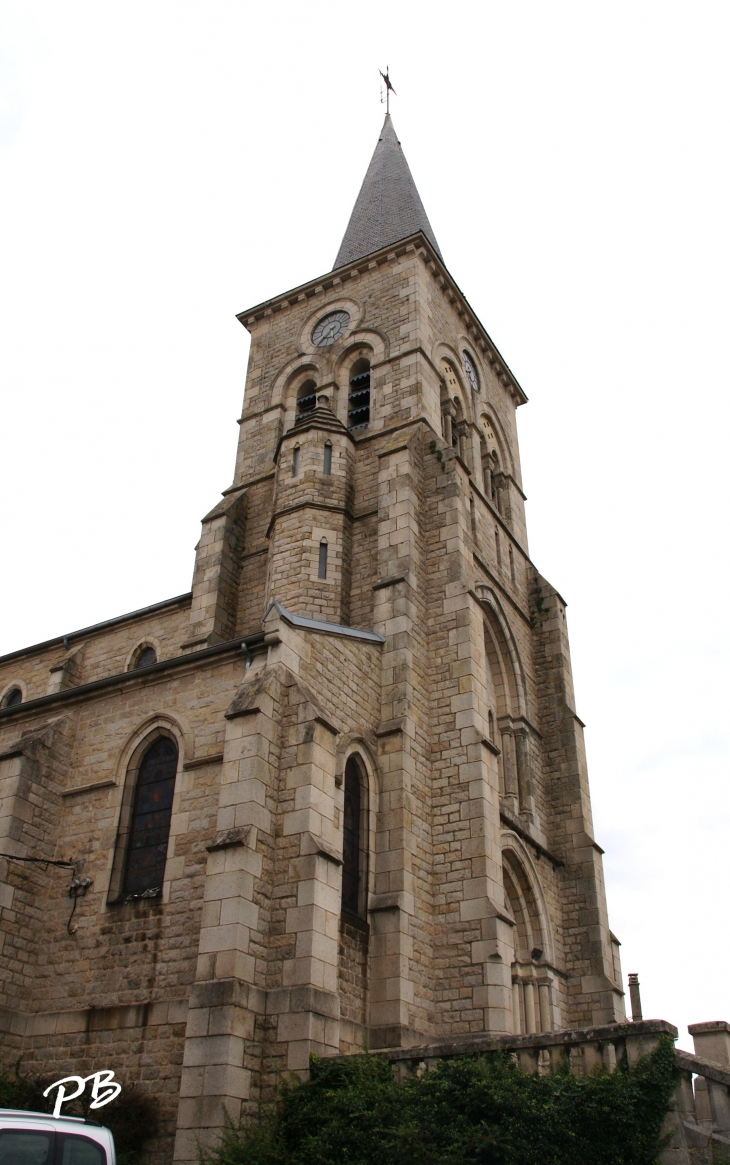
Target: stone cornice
332	508
129	678
414	244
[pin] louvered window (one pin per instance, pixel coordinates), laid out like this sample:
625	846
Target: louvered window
358	407
306	398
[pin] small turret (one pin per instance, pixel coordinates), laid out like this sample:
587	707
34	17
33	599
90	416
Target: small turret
310	531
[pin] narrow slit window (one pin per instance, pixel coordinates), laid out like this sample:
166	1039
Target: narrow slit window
354	876
150	825
322	571
295	463
498	547
512	565
473	516
327	467
491	725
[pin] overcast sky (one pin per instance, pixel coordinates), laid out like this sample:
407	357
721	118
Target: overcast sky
167	164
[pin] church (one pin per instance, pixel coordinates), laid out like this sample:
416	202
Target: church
334	797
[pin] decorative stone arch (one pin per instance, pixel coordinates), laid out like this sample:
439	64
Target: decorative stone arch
506	647
522	867
489	420
502	659
128	766
447	355
375	348
534	981
14	685
358	358
353	309
288	382
147	641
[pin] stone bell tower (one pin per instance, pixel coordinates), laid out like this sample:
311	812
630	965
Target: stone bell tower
404	849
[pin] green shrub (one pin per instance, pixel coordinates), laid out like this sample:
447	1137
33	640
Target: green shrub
469	1111
132	1117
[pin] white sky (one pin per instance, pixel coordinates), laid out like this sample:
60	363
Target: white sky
167	164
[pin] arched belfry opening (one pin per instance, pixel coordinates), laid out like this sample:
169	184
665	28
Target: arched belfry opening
358	400
306	398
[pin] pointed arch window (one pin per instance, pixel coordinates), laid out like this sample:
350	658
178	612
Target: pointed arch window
145	657
354	850
358	404
149	828
13	698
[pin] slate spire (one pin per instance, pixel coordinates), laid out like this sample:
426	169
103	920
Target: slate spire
388	207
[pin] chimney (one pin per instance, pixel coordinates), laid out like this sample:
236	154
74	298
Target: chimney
635	995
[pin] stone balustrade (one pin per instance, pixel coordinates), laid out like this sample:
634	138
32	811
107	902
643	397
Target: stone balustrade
697	1127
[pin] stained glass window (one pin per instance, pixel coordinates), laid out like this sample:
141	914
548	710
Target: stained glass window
150	826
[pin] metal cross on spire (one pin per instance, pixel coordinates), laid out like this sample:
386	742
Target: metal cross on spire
388	87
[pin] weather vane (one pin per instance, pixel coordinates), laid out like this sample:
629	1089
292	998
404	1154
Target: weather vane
388	88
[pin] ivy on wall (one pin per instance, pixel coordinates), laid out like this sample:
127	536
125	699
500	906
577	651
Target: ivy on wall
467	1111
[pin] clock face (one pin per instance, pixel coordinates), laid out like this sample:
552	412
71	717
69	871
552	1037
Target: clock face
470	370
330	328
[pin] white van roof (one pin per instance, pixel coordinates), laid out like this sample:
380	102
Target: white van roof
23	1113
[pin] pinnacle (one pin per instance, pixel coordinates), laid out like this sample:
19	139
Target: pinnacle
388	207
